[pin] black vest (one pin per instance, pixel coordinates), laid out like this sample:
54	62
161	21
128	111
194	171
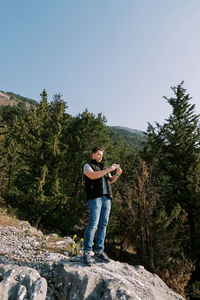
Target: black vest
94	187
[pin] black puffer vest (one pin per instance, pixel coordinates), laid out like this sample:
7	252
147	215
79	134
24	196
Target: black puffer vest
94	187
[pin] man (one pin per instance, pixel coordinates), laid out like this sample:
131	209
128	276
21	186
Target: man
98	182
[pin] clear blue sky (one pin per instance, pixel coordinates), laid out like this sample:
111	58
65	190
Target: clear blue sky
118	57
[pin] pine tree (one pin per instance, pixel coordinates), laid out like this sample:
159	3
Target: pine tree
36	186
10	113
173	150
175	146
85	132
3	129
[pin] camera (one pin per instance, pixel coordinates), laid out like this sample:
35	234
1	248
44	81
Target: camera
117	166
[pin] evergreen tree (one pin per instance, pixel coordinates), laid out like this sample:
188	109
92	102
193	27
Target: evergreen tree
2	133
36	187
173	150
85	132
2	129
10	113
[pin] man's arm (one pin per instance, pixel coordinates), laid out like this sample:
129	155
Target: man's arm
116	176
98	174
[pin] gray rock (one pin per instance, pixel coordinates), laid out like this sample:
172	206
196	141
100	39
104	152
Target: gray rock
21	283
112	281
29	271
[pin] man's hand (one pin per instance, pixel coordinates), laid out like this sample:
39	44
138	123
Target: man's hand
115	176
112	168
119	171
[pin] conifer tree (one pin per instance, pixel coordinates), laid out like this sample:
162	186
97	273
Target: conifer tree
10	113
85	132
173	150
2	133
174	147
36	188
2	128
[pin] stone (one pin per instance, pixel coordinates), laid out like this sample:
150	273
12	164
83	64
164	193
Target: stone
28	273
111	281
21	283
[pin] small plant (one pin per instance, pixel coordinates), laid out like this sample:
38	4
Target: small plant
21	235
3	211
24	225
43	243
77	246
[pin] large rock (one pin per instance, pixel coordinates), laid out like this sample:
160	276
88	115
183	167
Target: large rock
110	281
35	266
72	280
21	283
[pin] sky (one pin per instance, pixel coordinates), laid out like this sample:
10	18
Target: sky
115	57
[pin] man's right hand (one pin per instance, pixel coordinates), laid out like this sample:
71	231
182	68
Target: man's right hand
112	168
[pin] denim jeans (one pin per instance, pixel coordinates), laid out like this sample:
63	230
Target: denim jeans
99	210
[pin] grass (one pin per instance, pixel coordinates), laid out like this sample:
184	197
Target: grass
8	221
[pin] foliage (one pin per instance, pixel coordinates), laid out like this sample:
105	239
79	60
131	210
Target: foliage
155	210
10	113
34	158
173	150
134	141
84	132
76	246
176	273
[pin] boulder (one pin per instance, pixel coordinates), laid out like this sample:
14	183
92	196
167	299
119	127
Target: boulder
21	283
35	266
111	281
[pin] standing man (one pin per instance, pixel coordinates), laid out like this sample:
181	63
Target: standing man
99	194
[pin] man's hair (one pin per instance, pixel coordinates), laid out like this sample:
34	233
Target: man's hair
94	150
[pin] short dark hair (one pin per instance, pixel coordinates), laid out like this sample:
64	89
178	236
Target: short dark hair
94	150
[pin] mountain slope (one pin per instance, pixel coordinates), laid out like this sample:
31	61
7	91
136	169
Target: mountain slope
133	138
12	99
134	131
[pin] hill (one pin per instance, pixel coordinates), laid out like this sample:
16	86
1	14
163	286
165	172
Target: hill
134	131
12	99
134	138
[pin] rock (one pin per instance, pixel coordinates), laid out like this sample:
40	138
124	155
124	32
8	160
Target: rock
33	267
24	226
21	283
55	257
112	281
35	232
53	235
68	241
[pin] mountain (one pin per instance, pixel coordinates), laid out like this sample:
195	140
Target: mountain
12	99
134	138
135	131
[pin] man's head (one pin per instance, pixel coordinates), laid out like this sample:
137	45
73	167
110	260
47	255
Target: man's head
97	154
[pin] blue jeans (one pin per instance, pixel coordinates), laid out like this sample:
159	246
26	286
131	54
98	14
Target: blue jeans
99	210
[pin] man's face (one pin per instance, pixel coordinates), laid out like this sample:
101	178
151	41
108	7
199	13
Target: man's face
98	156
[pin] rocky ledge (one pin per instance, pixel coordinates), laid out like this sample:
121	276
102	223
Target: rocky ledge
30	270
